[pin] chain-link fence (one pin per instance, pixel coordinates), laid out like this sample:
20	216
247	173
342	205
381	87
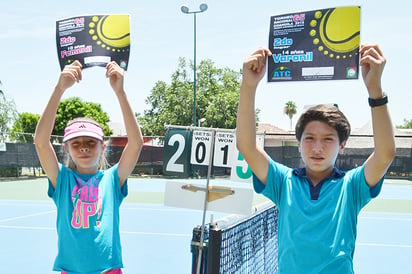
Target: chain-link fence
17	158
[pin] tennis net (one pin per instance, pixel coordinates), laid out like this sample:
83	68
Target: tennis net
238	244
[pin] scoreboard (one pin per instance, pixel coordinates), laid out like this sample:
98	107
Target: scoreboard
189	146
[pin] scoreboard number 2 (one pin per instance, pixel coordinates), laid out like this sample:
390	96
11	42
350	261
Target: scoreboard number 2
172	165
176	151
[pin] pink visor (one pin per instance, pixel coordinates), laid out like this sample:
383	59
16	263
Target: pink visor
83	128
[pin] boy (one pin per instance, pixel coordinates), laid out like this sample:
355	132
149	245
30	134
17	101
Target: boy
318	204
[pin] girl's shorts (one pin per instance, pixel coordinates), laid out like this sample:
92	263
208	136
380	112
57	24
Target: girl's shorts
113	271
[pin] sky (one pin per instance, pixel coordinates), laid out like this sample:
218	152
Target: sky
227	32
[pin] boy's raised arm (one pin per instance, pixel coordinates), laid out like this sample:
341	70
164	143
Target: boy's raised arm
254	68
373	62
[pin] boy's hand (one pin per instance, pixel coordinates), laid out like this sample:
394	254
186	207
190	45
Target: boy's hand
372	62
254	67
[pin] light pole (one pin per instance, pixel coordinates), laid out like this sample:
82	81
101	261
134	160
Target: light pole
200	121
185	9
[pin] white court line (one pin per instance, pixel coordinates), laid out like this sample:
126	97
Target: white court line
121	232
156	209
27	227
156	234
185	235
385	245
43	203
27	216
388	219
25	203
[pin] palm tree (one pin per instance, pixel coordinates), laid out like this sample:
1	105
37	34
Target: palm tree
290	110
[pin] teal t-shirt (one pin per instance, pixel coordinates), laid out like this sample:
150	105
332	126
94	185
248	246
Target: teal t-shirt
88	220
316	233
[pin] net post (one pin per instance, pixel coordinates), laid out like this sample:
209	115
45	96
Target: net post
195	248
213	257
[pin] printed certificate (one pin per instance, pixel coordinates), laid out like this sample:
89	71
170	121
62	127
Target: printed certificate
320	44
94	40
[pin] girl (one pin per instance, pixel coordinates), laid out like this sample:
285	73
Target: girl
87	195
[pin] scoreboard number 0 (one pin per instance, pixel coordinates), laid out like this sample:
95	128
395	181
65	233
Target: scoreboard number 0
201	144
200	152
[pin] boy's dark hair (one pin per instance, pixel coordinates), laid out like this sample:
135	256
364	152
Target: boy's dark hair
328	114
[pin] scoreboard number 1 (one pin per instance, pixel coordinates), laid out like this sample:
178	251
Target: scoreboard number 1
225	146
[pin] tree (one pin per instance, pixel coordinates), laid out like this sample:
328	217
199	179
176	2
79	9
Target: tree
8	114
24	127
24	124
290	110
74	107
217	98
406	124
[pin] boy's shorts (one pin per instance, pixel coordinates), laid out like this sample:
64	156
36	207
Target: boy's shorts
113	271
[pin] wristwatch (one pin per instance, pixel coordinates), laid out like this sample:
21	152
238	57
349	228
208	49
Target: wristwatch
378	102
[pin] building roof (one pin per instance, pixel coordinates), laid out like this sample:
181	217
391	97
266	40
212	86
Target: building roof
268	128
366	129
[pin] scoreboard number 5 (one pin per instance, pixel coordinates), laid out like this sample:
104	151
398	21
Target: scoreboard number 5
241	171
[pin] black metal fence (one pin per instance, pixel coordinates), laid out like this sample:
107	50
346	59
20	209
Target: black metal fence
17	157
22	157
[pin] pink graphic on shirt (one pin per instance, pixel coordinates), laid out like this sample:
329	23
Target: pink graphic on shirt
99	212
86	202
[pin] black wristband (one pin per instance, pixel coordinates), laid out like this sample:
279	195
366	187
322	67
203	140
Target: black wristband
378	102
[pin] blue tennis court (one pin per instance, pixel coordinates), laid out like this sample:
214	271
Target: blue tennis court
157	238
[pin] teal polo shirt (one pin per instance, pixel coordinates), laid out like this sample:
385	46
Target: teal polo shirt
316	225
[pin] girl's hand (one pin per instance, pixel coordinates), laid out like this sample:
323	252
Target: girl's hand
116	75
71	74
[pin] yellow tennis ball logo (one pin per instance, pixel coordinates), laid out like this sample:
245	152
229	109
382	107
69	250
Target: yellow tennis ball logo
337	31
111	32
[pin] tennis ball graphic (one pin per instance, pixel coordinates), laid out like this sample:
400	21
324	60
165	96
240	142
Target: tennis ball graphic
339	29
111	31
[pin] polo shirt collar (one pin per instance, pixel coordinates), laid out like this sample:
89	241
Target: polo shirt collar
315	190
336	173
